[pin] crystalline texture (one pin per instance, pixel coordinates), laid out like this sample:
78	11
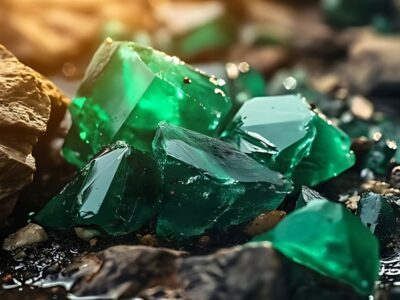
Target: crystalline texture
283	133
128	89
208	184
115	192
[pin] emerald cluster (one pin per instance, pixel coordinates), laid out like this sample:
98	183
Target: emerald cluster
163	145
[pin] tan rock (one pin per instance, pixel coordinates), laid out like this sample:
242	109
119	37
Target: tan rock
27	236
27	102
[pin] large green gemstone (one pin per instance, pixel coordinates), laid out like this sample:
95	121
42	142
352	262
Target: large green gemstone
208	184
327	238
128	89
285	134
115	192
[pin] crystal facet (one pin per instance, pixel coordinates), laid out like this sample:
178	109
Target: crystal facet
115	192
285	134
377	214
208	184
327	238
128	89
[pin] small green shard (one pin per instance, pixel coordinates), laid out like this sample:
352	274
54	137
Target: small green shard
128	89
380	155
307	195
377	214
115	192
327	238
283	133
208	184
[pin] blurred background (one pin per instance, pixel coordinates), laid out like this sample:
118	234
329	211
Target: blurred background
353	43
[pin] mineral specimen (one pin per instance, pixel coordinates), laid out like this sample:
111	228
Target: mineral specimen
285	134
115	192
327	238
129	89
208	184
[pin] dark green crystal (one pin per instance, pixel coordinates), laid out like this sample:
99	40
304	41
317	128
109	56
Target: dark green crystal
377	214
283	133
357	12
208	184
128	89
115	192
328	239
307	195
379	157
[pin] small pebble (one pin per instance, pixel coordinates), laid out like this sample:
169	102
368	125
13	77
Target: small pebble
265	222
86	234
27	236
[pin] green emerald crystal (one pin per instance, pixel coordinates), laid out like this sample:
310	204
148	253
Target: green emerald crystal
128	89
208	184
114	192
328	239
377	214
283	133
307	195
379	157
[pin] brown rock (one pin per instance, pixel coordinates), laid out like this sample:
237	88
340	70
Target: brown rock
156	273
123	271
27	102
27	236
265	222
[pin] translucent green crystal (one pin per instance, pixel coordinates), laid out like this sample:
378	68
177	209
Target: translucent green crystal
327	238
114	192
283	133
208	184
128	89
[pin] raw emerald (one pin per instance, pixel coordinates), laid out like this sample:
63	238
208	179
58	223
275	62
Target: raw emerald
128	89
208	184
377	214
307	195
115	192
283	133
327	238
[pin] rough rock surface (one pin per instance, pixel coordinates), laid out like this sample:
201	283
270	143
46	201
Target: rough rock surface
27	101
157	273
